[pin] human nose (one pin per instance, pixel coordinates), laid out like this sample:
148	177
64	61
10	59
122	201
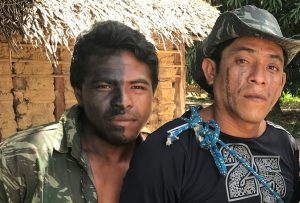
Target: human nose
257	74
121	100
127	98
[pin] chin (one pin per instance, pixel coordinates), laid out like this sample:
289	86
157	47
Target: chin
117	141
121	140
254	113
254	117
130	138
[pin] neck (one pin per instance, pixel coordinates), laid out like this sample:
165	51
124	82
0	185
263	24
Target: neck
95	146
234	126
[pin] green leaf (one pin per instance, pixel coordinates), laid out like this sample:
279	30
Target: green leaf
280	3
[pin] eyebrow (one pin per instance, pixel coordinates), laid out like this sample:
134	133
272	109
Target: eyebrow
101	79
237	49
140	81
250	50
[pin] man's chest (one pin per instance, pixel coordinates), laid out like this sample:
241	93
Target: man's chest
240	185
67	180
108	180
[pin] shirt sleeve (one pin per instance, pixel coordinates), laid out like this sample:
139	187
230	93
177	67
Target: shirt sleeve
9	183
155	173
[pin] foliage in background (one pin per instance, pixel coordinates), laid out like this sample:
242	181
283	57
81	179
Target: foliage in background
287	12
287	97
189	56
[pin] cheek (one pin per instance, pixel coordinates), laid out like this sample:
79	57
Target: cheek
99	102
241	77
233	84
145	105
230	82
275	88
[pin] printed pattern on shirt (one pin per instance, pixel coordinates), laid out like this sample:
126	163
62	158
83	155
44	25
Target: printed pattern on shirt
241	184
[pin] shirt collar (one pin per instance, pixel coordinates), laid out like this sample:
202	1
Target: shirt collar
70	129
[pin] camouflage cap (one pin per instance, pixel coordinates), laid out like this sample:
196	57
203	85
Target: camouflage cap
245	21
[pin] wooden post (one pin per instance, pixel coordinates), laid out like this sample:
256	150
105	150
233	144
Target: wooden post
180	82
59	88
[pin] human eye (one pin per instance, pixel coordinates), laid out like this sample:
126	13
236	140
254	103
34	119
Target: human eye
241	61
138	87
103	86
273	67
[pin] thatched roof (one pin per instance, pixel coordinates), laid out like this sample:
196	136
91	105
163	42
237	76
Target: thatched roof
52	22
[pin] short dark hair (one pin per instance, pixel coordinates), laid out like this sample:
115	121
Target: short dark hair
108	38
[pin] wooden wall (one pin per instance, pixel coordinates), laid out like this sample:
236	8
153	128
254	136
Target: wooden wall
33	92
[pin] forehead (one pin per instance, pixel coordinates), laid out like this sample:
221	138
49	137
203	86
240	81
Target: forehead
123	64
257	44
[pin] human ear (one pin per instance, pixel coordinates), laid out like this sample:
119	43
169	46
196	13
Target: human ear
209	70
78	95
283	80
280	88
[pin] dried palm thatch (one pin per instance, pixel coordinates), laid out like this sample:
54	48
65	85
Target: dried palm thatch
52	22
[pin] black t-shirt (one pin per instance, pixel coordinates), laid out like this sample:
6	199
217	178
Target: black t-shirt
186	173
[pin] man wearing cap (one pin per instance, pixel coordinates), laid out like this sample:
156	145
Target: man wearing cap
226	152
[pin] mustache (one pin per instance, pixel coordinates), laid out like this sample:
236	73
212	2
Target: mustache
120	111
117	110
123	116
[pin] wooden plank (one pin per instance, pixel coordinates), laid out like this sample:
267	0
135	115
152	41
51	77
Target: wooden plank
168	52
59	88
170	65
180	84
35	76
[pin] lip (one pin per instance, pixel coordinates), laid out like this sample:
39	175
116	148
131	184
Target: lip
256	97
123	120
